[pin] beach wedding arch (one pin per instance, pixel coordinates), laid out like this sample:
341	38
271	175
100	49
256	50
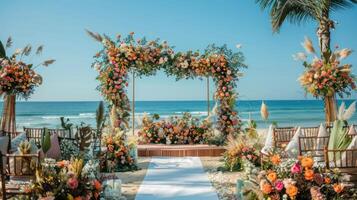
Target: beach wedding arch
121	56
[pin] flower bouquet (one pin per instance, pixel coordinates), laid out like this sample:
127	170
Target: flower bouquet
239	150
17	77
117	157
66	180
176	130
300	179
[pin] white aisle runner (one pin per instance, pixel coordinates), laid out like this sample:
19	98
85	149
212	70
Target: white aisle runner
176	178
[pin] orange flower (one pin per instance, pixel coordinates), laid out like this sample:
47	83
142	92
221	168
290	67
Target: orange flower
78	198
338	187
272	177
291	190
327	180
97	185
307	162
309	174
275	159
266	188
62	163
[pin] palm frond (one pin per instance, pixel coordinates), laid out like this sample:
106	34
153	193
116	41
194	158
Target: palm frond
340	4
9	42
95	36
295	11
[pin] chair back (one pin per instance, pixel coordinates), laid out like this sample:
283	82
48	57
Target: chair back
36	134
343	159
313	146
329	127
282	136
15	169
310	131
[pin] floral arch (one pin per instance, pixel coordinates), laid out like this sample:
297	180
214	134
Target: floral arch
123	55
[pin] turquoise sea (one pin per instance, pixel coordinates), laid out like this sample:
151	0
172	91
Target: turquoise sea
284	112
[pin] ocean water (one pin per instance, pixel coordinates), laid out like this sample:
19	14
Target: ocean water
284	112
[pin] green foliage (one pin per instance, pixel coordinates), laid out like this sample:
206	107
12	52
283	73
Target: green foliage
155	116
339	137
84	136
300	11
46	141
100	115
232	164
2	51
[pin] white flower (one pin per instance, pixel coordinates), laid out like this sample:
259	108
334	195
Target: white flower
239	46
184	64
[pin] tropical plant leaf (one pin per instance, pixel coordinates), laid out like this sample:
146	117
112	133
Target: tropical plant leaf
350	111
339	137
298	11
341	110
100	115
2	51
84	137
46	141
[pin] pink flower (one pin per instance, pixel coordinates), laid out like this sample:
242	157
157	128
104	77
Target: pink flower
72	183
279	185
296	168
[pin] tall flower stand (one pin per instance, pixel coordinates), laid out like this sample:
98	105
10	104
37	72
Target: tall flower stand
8	120
330	108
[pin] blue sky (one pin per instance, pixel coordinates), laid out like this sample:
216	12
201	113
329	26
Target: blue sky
59	25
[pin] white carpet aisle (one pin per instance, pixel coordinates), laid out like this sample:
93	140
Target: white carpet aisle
176	178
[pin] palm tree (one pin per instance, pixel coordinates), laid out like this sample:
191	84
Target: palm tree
297	11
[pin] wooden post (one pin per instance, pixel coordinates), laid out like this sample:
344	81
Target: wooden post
133	104
8	121
330	109
208	99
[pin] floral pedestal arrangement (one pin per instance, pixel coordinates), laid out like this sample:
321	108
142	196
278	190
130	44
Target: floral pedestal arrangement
67	180
116	157
18	80
176	130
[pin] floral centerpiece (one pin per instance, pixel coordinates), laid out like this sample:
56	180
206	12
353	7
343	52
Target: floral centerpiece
116	157
300	179
143	57
176	130
324	79
18	79
239	150
67	180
